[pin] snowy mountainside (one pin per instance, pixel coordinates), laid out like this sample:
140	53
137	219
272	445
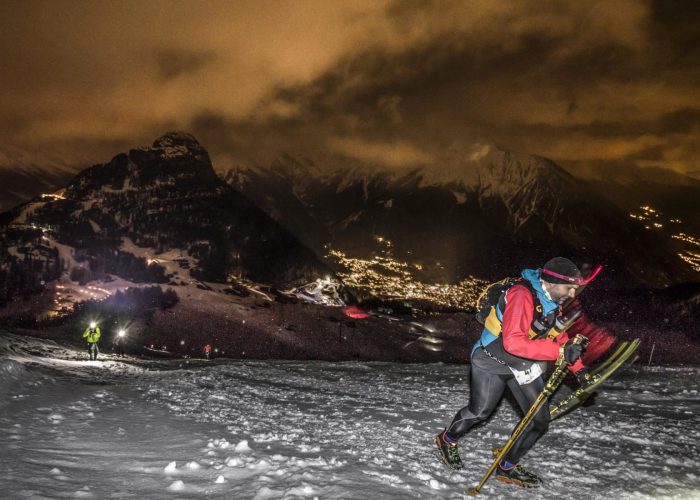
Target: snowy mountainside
163	198
474	214
258	430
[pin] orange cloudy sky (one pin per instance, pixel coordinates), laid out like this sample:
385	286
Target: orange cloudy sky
390	83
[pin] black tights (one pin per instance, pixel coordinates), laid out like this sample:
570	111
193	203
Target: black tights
93	350
487	389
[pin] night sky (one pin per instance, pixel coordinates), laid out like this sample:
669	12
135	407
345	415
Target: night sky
600	84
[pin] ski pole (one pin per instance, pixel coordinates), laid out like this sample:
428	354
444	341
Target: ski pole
552	384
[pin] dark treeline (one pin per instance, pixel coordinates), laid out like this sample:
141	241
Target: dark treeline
122	308
33	265
137	302
102	261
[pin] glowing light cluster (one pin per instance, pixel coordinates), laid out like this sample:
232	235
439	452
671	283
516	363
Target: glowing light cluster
652	220
61	302
53	196
692	258
64	302
383	276
648	214
687	238
97	289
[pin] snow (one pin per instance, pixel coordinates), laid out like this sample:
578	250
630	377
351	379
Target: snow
168	260
95	226
252	429
26	210
65	252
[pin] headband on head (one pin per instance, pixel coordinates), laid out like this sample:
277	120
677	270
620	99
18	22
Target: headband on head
571	279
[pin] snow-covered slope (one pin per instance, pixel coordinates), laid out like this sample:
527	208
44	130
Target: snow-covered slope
262	430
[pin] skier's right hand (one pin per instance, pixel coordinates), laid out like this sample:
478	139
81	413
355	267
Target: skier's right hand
585	377
573	351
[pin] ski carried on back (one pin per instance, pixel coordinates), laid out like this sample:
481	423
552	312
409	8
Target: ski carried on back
620	357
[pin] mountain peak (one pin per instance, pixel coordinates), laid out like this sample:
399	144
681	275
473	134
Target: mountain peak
176	138
177	143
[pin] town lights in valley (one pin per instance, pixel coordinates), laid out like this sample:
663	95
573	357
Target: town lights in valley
384	276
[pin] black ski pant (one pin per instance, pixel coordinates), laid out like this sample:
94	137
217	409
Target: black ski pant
489	380
93	350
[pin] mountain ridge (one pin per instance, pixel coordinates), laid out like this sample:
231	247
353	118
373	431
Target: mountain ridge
515	207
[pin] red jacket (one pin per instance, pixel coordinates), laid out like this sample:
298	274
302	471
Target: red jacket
517	318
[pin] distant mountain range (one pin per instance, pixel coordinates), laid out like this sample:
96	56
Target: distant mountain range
483	215
19	186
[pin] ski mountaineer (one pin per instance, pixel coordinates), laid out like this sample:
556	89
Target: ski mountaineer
118	343
511	353
92	335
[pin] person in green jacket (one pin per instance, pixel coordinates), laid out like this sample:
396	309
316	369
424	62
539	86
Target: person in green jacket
92	335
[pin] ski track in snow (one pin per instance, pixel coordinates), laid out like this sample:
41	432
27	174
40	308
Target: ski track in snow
71	428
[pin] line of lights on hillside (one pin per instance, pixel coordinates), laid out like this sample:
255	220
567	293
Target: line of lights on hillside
692	258
52	196
651	217
687	238
65	304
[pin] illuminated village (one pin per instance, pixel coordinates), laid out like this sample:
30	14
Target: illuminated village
384	276
653	220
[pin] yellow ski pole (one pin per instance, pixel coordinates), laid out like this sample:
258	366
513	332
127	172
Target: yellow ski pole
552	385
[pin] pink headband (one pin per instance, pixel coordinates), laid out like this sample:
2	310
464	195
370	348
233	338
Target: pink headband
575	281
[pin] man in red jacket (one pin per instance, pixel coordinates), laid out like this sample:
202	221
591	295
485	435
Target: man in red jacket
518	339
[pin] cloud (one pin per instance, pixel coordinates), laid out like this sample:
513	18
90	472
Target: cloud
393	82
396	154
175	62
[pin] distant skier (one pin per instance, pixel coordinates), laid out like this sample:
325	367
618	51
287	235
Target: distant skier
92	336
518	337
118	343
207	351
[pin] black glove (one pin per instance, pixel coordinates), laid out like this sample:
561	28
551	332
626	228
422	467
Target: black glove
573	351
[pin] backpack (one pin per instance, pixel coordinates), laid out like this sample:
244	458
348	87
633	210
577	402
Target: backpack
552	324
491	295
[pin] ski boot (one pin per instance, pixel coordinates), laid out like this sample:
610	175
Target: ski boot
448	452
519	476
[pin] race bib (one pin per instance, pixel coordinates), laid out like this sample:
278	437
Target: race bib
524	377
